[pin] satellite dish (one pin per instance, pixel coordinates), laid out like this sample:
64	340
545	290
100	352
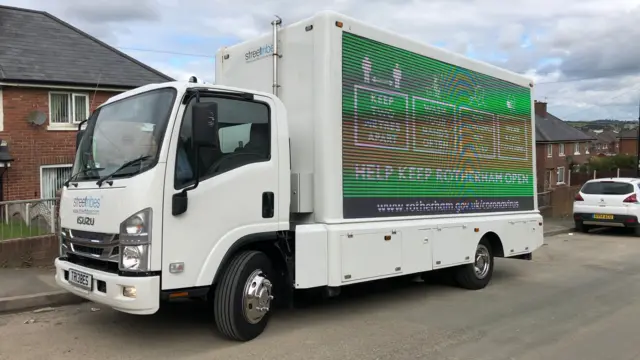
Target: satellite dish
36	117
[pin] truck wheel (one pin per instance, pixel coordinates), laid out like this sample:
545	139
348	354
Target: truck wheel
242	298
477	275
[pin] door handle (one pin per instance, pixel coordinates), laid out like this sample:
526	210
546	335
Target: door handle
267	204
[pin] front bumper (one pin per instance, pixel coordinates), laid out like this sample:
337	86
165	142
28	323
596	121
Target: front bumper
108	289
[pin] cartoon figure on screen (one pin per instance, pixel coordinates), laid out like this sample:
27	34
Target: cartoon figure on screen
511	103
366	69
478	96
397	75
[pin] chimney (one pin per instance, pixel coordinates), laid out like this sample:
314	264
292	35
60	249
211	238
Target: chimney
540	108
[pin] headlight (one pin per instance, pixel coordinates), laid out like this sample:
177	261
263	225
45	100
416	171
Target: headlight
135	241
134	258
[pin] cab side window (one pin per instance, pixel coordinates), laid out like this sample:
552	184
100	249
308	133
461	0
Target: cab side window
244	137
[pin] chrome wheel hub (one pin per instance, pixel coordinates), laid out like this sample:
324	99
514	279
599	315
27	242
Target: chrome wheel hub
256	299
482	263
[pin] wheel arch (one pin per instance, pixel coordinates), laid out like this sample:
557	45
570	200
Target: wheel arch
264	242
495	242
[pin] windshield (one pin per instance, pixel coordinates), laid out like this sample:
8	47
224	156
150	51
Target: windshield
123	131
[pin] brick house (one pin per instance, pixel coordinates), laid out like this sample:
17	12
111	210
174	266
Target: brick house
559	148
628	140
52	76
606	143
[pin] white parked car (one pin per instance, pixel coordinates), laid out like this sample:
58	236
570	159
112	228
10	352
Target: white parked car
610	202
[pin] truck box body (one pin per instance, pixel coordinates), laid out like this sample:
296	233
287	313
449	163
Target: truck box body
382	126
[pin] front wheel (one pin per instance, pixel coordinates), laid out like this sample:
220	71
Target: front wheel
243	296
477	275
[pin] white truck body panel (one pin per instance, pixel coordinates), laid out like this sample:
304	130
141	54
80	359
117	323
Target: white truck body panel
310	79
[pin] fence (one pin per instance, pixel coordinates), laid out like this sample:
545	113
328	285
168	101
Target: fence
544	199
28	218
579	178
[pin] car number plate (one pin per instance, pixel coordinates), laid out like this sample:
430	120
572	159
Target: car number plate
80	279
603	216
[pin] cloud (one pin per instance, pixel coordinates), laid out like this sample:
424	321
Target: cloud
580	52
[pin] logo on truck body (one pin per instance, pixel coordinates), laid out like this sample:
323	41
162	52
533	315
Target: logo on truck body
87	205
259	53
86	220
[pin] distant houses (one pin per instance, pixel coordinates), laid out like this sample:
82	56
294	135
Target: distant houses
560	148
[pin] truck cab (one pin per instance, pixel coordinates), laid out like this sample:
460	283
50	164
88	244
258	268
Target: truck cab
149	157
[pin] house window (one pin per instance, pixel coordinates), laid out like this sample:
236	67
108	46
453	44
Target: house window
560	175
549	150
561	149
576	149
52	178
586	148
67	108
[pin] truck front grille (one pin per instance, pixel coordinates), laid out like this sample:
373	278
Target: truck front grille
91	245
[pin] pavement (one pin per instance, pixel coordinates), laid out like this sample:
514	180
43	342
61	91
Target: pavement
24	289
579	298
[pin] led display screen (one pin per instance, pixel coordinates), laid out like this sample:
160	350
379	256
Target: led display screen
424	137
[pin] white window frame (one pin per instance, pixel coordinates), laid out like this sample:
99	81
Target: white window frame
53	166
576	149
560	149
549	150
558	172
586	148
73	124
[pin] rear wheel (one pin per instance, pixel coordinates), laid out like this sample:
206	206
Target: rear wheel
243	296
581	227
477	275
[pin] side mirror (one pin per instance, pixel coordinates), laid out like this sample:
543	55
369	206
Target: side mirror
179	203
205	125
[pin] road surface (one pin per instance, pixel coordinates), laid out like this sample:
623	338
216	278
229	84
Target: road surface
578	299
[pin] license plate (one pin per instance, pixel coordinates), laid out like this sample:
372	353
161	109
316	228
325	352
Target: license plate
603	217
80	279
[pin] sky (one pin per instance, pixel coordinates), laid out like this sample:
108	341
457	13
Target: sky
583	54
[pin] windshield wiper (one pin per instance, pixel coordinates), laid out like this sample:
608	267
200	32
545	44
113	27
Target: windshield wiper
127	164
81	172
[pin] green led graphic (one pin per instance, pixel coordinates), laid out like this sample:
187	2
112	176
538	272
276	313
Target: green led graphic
424	137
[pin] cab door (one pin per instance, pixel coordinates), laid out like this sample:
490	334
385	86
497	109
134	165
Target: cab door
238	194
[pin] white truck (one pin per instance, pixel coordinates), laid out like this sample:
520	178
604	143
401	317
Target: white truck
328	153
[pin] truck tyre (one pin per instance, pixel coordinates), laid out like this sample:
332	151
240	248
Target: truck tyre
477	275
242	298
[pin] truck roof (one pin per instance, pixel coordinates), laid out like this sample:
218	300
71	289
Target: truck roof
440	53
